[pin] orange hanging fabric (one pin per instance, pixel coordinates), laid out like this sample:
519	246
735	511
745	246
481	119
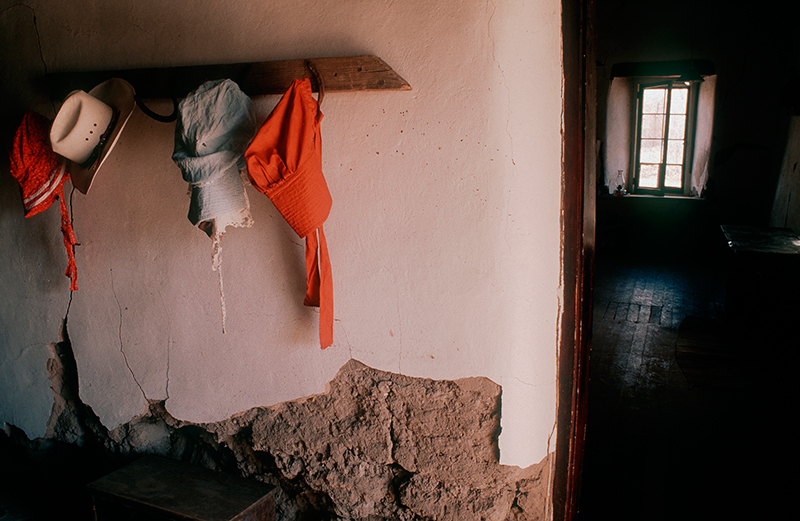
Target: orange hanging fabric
284	162
41	177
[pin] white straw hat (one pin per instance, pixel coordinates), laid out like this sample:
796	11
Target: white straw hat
88	126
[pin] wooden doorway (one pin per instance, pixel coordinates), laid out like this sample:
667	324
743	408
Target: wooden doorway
578	231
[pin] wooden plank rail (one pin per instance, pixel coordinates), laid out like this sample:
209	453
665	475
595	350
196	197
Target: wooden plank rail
348	73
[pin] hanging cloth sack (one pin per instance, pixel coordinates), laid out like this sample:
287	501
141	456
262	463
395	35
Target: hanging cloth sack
284	162
41	175
215	123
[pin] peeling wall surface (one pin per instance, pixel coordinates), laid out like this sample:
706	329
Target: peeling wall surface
374	445
444	234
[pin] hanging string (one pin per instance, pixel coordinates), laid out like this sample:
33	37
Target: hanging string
69	242
216	265
222	298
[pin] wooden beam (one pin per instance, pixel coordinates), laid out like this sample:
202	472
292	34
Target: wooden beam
348	73
663	68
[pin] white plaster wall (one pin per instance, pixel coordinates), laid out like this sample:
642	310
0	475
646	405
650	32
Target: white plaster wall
444	234
618	128
703	134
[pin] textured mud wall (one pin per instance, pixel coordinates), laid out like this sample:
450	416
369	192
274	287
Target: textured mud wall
374	445
444	233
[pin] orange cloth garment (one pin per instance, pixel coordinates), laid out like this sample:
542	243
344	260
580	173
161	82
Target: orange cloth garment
284	162
41	176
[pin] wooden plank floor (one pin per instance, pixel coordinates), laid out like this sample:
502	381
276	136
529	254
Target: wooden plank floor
658	448
637	311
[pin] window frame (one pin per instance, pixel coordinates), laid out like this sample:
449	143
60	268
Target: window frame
639	85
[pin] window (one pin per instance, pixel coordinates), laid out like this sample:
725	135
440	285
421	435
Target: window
659	121
664	134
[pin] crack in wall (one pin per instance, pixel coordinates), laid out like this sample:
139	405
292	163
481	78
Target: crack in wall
503	76
346	338
399	321
333	456
121	343
169	343
54	111
38	37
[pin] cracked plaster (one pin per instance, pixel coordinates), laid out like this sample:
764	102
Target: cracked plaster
447	239
374	445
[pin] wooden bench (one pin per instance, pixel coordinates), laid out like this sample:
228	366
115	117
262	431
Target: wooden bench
159	489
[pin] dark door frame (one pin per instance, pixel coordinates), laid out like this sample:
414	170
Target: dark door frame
578	233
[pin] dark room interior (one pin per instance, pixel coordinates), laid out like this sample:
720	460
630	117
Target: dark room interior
692	356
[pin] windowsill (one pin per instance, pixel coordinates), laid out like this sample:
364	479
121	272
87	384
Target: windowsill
659	197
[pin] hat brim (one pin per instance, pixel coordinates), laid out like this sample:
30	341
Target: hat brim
117	94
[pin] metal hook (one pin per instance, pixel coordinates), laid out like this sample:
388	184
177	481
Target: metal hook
158	117
318	79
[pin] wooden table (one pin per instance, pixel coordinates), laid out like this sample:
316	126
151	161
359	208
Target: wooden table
755	240
763	289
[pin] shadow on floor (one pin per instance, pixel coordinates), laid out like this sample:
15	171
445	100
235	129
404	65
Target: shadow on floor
659	445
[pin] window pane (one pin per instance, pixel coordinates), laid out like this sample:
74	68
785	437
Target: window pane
663	116
648	176
654	101
675	152
677	127
674	176
679	101
651	151
652	126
